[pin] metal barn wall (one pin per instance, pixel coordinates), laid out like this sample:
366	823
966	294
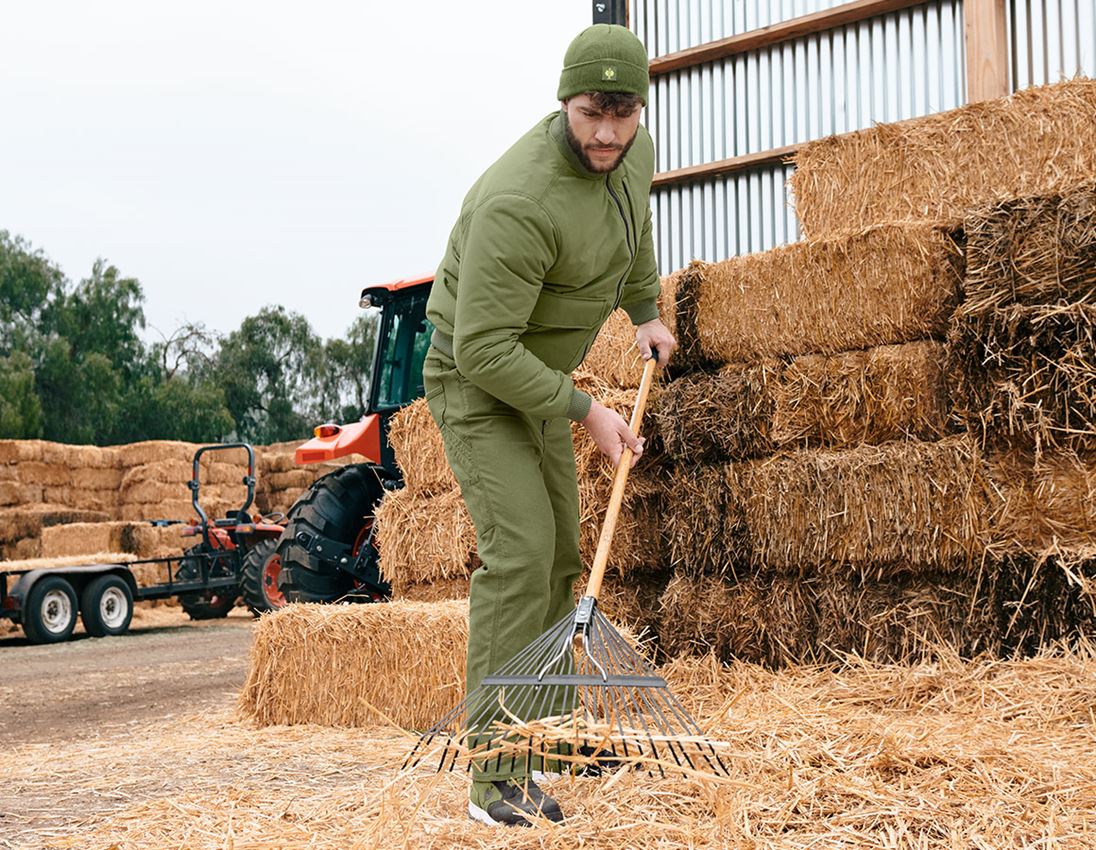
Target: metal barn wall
891	67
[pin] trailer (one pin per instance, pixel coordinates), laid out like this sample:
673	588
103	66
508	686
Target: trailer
231	554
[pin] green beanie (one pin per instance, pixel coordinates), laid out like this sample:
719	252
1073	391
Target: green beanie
604	57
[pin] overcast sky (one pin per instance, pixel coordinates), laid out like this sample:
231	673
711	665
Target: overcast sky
234	154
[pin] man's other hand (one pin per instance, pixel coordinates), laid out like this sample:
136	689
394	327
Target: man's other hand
654	334
611	433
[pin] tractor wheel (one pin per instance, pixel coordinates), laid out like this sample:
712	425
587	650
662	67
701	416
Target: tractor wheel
338	507
49	612
205	604
106	606
262	566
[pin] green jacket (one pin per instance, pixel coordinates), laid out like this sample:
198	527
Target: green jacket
542	253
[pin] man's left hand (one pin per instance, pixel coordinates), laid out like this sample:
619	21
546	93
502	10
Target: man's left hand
654	334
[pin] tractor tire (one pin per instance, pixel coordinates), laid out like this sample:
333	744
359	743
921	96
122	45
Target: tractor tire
259	586
49	611
338	507
106	606
203	605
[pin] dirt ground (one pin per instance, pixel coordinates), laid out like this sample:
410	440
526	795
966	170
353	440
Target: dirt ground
165	665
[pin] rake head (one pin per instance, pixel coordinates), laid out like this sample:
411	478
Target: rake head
577	695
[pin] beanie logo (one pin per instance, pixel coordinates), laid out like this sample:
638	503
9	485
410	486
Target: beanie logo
609	72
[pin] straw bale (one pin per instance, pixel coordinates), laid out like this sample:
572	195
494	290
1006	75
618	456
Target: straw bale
638	544
94	500
175	509
1043	599
889	284
399	663
278	501
15	493
91	457
154	451
768	622
19	523
45	474
707	418
420	453
276	462
96	478
1027	375
631	602
29	547
1032	250
9	472
151	492
903	505
41	563
299	479
885	393
139	539
179	472
20	451
423	538
936	168
436	591
1041	502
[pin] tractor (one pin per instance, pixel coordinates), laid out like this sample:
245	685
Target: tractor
327	552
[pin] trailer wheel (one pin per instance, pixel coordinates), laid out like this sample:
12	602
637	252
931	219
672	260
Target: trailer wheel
262	567
339	507
106	606
205	604
49	613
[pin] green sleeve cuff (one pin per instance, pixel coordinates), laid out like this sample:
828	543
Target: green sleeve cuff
642	311
579	407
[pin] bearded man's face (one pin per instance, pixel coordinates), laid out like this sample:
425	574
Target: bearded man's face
599	139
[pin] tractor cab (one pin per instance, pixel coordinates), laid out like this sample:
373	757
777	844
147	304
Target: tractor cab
403	337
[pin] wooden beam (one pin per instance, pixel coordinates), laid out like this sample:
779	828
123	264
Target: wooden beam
848	13
987	49
724	166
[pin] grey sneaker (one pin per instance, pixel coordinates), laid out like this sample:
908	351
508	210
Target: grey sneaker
512	802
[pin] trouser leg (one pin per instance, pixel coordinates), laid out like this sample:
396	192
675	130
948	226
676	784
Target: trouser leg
517	476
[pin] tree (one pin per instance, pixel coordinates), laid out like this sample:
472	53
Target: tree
262	368
28	282
341	371
20	410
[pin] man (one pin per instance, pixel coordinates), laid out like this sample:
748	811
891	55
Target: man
550	240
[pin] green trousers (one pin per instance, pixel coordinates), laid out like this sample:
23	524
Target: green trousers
517	477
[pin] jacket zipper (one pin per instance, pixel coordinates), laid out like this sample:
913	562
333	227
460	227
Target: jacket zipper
627	239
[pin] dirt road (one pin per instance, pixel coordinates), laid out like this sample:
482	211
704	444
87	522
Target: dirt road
165	666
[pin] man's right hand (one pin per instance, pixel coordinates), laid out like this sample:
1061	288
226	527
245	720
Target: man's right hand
610	432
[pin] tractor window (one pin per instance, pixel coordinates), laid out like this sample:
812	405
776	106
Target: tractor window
404	340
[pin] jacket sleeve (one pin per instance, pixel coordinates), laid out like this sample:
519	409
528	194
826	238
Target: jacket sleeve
642	286
508	245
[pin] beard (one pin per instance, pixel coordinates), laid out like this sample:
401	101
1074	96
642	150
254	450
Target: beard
584	157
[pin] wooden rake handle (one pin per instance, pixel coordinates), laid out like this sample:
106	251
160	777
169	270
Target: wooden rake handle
604	543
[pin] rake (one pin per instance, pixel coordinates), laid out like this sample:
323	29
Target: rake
579	696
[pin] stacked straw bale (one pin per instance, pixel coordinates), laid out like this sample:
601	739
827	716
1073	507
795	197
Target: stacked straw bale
937	167
1024	339
141	540
743	411
399	663
887	285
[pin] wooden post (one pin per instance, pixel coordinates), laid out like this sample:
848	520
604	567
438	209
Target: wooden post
987	49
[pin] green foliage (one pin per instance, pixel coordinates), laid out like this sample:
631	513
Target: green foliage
74	367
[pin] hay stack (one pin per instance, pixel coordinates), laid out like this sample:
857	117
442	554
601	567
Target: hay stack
1041	503
872	510
886	285
1024	339
138	539
935	168
423	538
843	400
401	663
20	528
780	621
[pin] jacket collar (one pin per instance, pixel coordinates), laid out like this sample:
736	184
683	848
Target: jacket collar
557	131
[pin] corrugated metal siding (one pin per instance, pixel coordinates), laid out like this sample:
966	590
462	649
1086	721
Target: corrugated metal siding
890	68
1050	40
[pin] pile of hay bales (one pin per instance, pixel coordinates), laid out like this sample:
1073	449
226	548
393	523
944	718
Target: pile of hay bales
59	500
883	436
